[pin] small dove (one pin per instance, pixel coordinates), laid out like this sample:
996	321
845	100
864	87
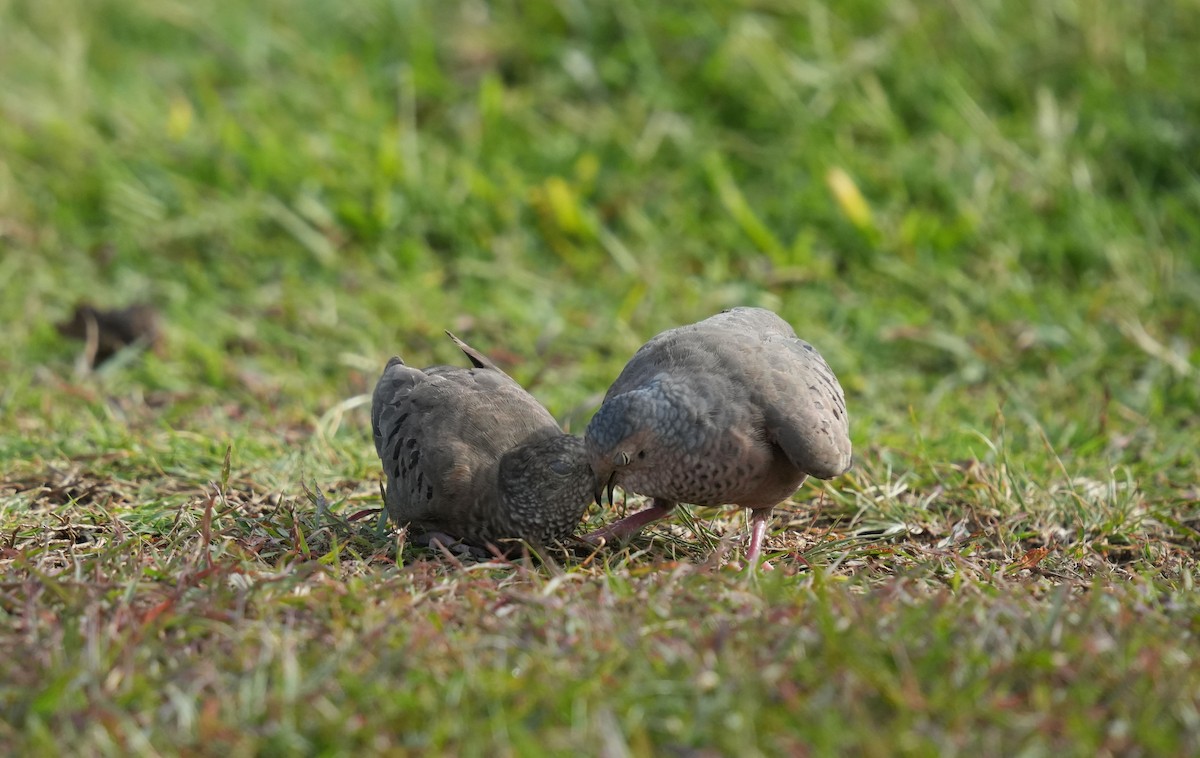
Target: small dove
732	410
469	454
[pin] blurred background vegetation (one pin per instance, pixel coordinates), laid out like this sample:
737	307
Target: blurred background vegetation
961	205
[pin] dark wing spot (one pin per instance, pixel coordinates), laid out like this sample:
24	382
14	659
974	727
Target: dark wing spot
413	457
392	434
396	451
429	491
410	442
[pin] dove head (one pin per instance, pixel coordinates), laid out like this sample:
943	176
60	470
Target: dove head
624	434
546	486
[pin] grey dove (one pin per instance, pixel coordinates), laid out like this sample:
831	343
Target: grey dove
732	410
470	454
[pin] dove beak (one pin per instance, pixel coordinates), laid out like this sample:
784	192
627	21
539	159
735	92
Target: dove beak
618	461
602	485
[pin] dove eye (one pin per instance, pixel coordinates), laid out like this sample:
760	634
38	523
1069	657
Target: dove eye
562	468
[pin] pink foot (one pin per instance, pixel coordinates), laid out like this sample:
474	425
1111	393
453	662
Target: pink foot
758	528
629	525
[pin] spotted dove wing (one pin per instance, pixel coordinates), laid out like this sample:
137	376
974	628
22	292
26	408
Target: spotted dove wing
804	409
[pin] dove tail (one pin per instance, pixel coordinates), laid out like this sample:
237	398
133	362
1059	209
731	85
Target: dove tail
478	359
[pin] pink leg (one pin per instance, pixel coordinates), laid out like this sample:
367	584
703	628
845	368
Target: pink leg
630	524
758	528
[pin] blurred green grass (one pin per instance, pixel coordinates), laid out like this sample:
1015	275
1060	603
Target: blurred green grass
984	214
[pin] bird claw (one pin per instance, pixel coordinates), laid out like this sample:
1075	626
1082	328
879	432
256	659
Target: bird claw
439	541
